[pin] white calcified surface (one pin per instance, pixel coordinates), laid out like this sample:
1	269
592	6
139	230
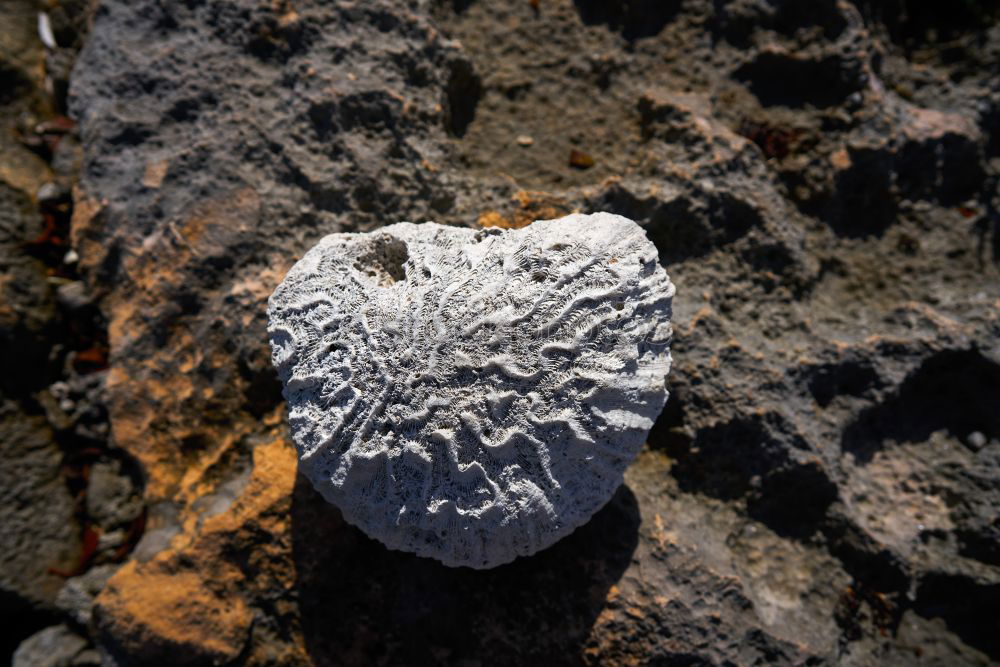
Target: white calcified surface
473	396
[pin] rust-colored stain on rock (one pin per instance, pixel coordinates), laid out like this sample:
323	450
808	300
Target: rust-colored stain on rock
156	612
199	593
525	207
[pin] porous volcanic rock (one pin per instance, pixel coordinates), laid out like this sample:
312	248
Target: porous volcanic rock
41	544
55	646
820	180
473	396
41	531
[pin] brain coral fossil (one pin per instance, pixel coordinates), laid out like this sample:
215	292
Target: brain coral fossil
473	395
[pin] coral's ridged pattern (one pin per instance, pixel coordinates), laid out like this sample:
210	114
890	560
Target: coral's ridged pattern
473	396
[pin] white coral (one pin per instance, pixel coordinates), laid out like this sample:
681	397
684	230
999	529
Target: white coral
473	396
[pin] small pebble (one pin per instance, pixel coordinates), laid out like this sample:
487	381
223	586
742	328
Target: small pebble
45	31
976	440
71	257
111	540
73	296
50	192
580	160
524	140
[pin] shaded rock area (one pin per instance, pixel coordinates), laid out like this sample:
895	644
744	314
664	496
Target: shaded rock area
59	519
819	178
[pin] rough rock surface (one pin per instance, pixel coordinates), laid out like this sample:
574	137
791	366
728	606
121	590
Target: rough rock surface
473	396
41	533
53	427
55	646
39	542
820	180
76	598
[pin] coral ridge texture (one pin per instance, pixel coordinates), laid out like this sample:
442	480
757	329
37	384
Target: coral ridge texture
473	395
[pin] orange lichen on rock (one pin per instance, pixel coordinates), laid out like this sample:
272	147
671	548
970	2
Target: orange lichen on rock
527	206
195	599
178	402
493	219
153	389
154	612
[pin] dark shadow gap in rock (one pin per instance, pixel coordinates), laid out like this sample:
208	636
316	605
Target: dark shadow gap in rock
954	390
633	18
462	94
777	79
970	609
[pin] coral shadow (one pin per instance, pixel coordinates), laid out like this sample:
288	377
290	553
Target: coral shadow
361	603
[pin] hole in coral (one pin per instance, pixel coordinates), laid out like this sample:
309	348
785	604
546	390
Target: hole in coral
382	260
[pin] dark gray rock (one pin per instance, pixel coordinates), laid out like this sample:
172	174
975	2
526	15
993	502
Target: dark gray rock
73	296
38	517
819	178
55	646
113	500
28	316
76	597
